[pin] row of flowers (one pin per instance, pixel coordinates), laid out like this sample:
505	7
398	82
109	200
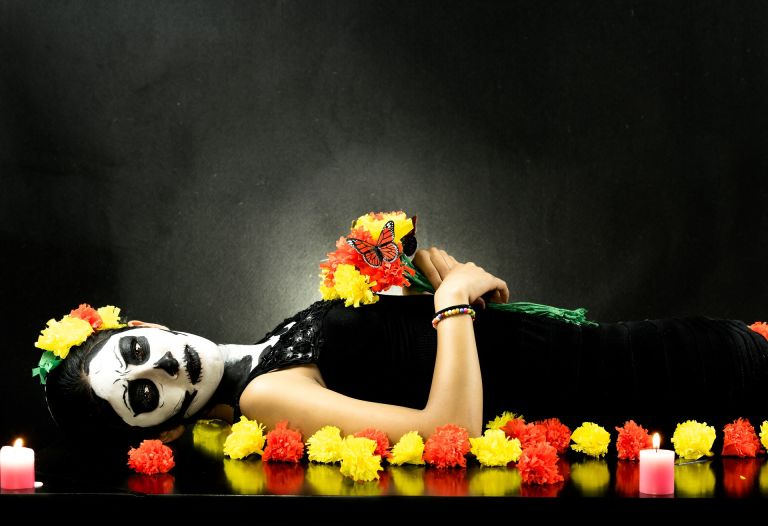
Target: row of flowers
534	448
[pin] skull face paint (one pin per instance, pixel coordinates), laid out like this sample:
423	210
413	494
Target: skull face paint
150	375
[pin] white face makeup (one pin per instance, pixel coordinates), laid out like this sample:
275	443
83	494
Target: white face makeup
149	375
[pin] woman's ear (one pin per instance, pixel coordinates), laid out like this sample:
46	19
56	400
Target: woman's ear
138	323
170	435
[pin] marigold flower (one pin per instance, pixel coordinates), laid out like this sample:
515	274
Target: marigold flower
591	439
632	438
527	434
283	444
110	317
87	313
556	433
358	460
408	450
495	449
761	328
538	464
374	222
740	440
60	336
693	440
764	434
325	445
151	457
381	439
353	287
447	447
501	420
246	438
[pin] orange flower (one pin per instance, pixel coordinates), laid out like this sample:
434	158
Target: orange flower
632	438
447	447
538	464
151	457
283	444
740	439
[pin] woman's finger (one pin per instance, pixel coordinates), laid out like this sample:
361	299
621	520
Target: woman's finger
423	261
438	260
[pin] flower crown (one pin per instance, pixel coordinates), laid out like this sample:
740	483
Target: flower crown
371	259
73	329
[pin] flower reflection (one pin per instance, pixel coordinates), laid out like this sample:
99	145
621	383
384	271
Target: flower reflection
446	482
407	480
208	437
541	490
326	479
591	477
696	479
739	476
159	484
627	478
284	478
245	477
494	482
764	478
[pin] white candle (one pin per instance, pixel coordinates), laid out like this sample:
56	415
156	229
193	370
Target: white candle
657	469
17	466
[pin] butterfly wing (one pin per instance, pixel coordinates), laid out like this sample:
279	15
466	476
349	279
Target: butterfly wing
371	253
386	243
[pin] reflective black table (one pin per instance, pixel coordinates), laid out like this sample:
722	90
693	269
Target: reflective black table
203	476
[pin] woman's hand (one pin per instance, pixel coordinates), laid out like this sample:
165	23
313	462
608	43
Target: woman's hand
456	282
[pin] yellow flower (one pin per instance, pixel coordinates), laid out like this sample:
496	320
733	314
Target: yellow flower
59	336
325	445
764	434
591	439
501	420
495	449
110	317
408	450
357	459
373	223
693	440
352	286
247	438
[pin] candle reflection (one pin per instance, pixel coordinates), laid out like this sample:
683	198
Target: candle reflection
739	476
160	484
591	477
494	482
446	482
627	478
245	477
695	479
408	480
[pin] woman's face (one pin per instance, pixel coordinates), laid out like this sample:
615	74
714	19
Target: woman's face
149	375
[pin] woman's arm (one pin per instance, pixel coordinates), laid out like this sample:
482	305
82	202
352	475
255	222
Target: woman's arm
456	393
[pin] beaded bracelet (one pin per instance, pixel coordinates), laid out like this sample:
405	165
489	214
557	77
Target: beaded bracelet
452	311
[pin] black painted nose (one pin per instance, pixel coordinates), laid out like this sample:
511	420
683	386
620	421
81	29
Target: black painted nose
168	364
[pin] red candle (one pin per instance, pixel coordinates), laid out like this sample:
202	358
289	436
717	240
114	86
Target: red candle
657	470
17	466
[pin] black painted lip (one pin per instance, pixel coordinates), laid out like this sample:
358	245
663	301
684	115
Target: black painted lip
192	364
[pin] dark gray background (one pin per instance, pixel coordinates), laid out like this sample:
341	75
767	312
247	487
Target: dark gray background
193	161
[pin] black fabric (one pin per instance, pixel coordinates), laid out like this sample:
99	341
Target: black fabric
655	371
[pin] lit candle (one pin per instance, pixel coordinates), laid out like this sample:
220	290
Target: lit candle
17	466
657	469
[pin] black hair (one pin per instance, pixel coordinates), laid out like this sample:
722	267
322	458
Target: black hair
78	410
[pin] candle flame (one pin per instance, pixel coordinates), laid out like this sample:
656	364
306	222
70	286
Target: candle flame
19	443
656	441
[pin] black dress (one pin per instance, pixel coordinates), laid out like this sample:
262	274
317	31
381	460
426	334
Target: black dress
657	372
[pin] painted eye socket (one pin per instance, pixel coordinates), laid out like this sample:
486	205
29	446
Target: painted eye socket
143	396
135	350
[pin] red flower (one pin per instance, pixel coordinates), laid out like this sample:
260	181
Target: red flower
760	327
151	457
538	464
283	444
527	434
740	439
447	446
87	313
382	441
557	434
632	438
